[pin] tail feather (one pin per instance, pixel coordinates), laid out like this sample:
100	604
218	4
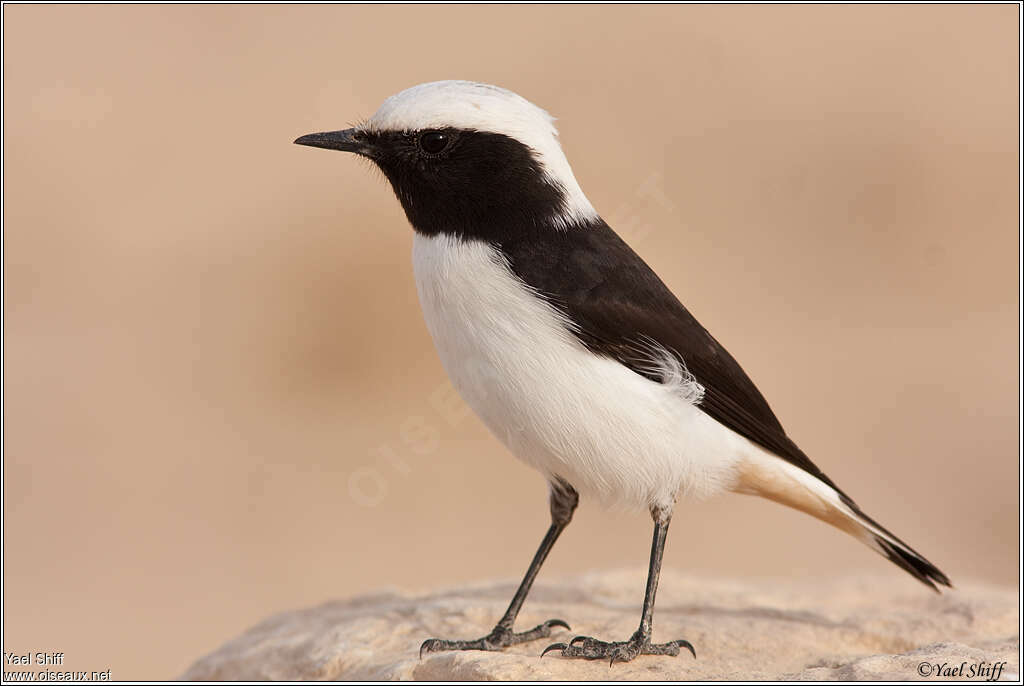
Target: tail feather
772	477
888	544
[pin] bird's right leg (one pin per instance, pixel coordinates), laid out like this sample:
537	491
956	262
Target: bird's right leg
563	503
640	642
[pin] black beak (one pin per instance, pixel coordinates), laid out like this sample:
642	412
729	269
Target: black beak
347	140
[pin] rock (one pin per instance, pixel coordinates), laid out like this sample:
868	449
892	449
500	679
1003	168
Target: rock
880	628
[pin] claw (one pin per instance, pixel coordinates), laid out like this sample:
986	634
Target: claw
557	622
682	643
620	655
553	646
581	639
427	645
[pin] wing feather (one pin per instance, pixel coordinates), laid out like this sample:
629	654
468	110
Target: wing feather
616	301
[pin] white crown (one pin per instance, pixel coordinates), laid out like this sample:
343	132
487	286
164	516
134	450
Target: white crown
482	107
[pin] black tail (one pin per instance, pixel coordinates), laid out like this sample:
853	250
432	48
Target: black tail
913	562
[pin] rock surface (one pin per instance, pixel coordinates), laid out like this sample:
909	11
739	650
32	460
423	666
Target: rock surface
875	628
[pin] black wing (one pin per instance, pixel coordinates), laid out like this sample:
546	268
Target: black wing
617	303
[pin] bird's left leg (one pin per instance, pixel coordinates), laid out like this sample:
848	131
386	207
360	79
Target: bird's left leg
640	642
563	503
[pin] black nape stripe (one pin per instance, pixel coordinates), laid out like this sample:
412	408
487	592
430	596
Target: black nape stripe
484	185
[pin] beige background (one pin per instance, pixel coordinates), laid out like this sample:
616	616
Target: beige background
221	401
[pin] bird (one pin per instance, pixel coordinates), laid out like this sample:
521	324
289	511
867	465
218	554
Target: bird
570	349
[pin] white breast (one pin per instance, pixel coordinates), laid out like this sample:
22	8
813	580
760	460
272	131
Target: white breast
608	431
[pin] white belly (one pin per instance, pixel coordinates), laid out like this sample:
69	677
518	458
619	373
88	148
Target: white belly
608	431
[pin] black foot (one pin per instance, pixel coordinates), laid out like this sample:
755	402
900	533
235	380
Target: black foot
500	638
618	651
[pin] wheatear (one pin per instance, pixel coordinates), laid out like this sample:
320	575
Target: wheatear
569	347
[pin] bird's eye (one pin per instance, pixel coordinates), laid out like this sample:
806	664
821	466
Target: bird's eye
433	142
